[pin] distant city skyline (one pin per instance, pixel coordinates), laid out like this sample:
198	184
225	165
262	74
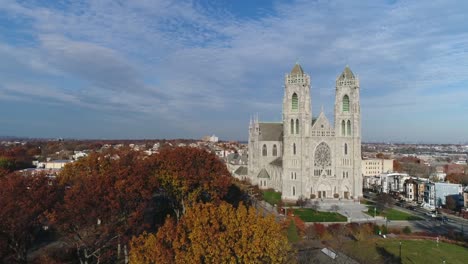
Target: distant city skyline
186	69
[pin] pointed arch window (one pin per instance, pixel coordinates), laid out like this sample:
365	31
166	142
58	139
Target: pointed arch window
343	128
297	126
294	148
345	149
346	103
294	191
264	150
349	128
275	150
294	102
292	126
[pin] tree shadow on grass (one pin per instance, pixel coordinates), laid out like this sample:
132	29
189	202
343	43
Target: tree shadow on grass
388	258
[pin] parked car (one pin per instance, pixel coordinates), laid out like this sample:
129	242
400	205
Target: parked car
432	213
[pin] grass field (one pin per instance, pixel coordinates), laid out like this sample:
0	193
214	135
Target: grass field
292	233
272	197
393	214
412	251
310	215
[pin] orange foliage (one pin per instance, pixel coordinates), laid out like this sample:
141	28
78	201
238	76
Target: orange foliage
210	233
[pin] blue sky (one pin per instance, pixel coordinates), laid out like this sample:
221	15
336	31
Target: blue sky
184	69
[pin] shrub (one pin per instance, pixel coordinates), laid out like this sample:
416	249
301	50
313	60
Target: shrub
407	230
320	230
312	196
384	229
336	195
376	229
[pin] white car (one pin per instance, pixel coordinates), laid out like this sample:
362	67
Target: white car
432	214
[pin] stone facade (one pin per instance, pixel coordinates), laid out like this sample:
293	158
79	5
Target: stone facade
309	157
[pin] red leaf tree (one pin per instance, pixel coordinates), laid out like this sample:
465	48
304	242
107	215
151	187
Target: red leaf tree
25	200
189	174
106	197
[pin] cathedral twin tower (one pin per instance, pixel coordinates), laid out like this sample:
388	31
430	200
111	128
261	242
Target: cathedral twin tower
307	157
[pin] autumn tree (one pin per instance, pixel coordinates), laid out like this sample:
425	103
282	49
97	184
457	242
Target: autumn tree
104	204
459	178
209	233
188	175
397	166
24	203
451	202
383	201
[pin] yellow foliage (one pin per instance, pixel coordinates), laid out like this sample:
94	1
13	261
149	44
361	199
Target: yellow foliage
210	233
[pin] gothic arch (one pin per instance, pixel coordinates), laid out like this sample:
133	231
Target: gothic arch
297	126
349	128
345	149
264	150
343	128
324	190
294	148
275	150
294	102
346	103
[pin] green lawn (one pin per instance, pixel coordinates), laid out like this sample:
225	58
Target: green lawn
393	214
292	233
272	197
412	251
310	215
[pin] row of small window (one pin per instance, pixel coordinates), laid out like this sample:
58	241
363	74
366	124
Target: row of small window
323	133
275	151
263	183
318	172
345	162
265	150
346	128
295	80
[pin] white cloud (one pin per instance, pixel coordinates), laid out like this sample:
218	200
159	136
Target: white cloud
182	59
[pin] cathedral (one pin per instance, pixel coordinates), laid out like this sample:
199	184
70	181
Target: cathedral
306	156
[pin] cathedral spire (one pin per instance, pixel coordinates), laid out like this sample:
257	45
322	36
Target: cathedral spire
297	70
347	74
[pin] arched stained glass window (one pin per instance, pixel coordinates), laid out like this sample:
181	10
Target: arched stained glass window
294	148
343	128
345	149
346	103
275	150
292	126
297	126
294	191
349	128
264	150
294	102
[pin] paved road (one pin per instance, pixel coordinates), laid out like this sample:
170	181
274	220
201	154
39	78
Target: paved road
429	223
